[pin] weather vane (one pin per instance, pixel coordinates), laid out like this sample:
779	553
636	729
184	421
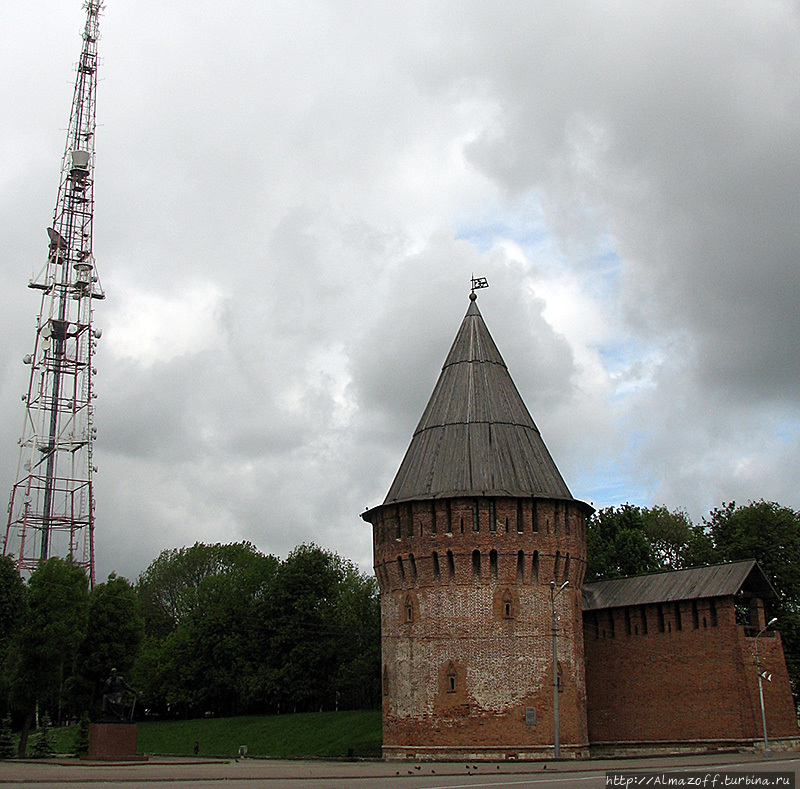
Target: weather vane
478	283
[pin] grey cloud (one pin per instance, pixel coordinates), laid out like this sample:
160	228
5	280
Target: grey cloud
312	164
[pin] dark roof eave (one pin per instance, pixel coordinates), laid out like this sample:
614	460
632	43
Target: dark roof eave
496	494
720	580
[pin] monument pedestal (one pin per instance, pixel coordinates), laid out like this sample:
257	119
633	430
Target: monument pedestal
111	742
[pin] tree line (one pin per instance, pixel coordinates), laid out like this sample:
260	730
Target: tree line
227	630
206	630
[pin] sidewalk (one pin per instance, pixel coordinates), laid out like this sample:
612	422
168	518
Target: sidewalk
188	769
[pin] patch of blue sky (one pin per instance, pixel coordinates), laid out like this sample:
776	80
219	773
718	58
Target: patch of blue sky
614	480
522	224
601	278
483	236
636	438
787	431
609	490
632	363
617	357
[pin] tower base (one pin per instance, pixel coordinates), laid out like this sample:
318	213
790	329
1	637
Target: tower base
488	753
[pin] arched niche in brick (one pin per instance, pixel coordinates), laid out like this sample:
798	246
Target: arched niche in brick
505	603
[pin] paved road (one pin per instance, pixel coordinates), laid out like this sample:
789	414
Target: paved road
250	773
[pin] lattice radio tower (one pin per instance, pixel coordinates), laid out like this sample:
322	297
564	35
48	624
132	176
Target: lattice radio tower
51	511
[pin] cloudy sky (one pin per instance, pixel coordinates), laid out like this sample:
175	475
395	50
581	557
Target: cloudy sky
292	195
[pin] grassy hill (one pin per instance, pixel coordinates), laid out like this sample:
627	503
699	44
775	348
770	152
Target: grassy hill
313	734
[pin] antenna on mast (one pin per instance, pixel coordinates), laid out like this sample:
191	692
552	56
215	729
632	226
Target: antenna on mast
51	511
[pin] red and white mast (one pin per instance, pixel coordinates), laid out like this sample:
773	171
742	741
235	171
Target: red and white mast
51	511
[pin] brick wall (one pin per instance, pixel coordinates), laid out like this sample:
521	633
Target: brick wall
680	672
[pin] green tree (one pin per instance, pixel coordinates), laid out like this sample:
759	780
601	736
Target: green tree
82	735
43	746
12	599
763	531
358	680
770	534
303	628
218	634
13	602
6	739
44	648
320	630
150	675
629	540
114	632
235	632
168	588
199	606
675	540
617	544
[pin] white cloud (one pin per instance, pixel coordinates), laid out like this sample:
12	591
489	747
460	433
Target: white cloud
150	327
291	200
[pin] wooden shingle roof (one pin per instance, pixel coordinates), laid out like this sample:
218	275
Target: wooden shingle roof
476	437
719	580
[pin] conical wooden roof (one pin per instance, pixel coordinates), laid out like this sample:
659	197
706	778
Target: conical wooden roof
476	437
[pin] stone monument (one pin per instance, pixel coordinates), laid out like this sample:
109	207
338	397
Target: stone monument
114	736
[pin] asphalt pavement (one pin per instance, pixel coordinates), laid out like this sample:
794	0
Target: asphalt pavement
249	772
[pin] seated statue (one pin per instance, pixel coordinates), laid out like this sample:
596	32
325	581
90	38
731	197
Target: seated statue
113	689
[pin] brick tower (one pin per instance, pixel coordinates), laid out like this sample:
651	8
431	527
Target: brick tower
472	544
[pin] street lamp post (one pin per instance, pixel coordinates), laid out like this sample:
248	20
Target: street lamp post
761	686
553	594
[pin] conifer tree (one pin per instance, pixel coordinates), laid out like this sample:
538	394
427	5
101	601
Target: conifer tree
82	739
43	747
6	739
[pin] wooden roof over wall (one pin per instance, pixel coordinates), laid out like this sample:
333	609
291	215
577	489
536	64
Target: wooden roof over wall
719	580
476	437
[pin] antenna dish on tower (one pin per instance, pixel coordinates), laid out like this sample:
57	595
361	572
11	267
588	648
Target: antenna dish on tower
57	241
80	160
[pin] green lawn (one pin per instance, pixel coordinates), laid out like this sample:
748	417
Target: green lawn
313	734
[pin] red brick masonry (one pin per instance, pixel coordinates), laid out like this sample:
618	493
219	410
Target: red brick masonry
681	677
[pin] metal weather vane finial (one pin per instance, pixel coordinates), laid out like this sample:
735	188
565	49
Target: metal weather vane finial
478	283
